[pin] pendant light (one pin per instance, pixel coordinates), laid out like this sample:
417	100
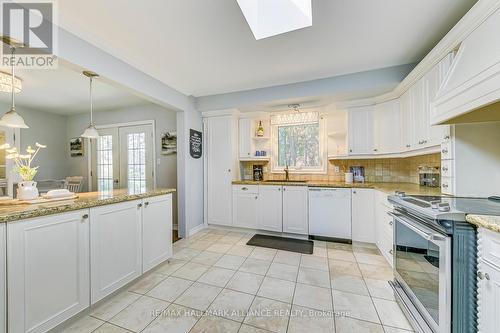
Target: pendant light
90	132
12	118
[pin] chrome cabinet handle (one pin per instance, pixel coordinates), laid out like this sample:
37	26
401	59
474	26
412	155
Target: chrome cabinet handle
391	223
444	151
146	203
446	137
85	216
487	276
139	205
244	188
445	185
444	169
391	251
480	275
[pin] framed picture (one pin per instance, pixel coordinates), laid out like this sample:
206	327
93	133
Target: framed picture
169	143
76	147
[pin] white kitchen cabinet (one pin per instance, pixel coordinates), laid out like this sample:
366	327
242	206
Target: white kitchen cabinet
3	279
245	134
48	270
270	208
221	168
387	135
407	127
384	226
360	134
488	298
156	231
418	95
115	247
295	210
245	206
363	225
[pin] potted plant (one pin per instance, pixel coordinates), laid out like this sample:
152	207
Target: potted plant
26	189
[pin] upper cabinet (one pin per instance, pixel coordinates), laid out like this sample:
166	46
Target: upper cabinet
360	136
474	78
251	141
387	136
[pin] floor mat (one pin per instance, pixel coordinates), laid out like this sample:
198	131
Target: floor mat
282	243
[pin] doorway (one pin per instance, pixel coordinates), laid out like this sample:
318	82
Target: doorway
123	158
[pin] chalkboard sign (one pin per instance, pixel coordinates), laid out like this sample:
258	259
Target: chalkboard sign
195	143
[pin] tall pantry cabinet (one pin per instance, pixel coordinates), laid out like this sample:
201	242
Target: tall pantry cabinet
221	167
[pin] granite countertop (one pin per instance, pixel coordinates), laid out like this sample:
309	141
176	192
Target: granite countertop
389	188
485	221
9	213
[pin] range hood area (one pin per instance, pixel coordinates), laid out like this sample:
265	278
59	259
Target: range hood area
471	91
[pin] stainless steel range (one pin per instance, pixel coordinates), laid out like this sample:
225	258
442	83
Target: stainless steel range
435	260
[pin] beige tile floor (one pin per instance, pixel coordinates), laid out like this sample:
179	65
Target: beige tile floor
217	283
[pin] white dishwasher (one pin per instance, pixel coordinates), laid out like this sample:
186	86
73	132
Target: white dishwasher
330	213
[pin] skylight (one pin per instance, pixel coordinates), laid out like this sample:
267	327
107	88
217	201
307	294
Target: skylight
268	18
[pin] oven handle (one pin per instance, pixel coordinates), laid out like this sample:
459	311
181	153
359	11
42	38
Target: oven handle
428	236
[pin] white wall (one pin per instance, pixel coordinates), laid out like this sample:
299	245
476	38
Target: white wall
48	129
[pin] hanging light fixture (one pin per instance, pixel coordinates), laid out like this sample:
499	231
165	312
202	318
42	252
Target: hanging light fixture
90	132
12	118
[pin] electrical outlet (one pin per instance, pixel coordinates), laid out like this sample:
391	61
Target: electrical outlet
337	169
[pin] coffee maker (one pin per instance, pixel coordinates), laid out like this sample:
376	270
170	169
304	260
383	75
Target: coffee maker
429	176
258	173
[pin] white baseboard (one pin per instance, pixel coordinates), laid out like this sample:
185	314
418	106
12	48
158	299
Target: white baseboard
196	229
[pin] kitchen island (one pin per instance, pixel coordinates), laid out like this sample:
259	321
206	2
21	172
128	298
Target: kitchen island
59	258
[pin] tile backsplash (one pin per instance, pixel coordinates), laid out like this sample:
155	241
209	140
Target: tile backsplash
387	170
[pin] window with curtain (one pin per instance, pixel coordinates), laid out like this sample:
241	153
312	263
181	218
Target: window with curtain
298	140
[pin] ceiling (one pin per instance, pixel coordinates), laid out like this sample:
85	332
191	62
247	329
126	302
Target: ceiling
206	47
66	91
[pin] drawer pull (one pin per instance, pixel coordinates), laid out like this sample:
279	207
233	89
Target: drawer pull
391	223
244	188
146	203
391	251
444	169
444	151
139	205
85	216
445	185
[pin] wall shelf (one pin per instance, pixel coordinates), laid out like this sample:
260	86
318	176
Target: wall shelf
263	138
255	158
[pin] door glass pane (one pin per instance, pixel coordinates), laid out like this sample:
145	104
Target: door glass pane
3	167
105	163
136	158
417	262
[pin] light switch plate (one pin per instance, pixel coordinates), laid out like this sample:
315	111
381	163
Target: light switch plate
337	169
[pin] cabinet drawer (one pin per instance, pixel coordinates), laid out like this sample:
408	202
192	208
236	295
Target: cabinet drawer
254	189
490	247
447	152
447	168
447	185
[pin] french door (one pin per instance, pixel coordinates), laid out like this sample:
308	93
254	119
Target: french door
123	158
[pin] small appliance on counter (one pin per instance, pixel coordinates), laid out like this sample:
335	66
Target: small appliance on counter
258	173
358	173
429	176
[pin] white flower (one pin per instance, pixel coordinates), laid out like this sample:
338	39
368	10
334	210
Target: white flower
30	150
5	146
24	156
40	145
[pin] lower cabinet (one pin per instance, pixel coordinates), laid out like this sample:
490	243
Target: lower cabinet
245	206
270	208
488	281
115	247
48	270
363	226
156	231
384	226
295	210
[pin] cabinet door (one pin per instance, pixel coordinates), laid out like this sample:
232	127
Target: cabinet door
387	136
270	204
115	247
245	207
48	275
156	231
418	101
3	279
360	134
436	77
489	298
220	171
245	134
363	221
295	210
407	126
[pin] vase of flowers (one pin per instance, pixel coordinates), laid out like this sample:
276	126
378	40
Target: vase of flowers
26	189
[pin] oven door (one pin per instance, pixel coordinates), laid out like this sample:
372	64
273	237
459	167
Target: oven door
422	267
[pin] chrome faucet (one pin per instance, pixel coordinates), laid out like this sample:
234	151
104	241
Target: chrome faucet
287	173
